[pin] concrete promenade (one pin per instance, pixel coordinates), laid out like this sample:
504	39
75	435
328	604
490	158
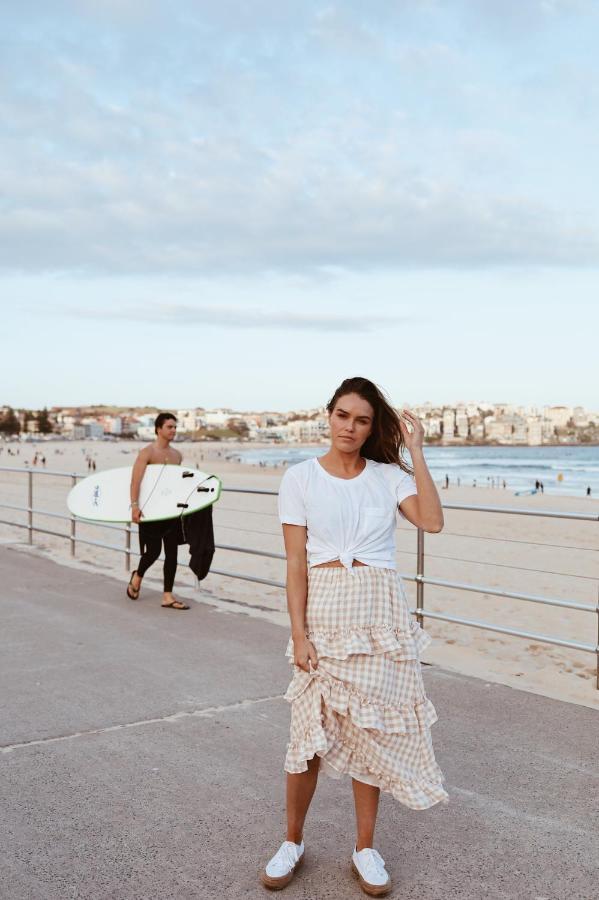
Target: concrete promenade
142	760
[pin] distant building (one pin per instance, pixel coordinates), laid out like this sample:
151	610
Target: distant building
448	424
498	429
461	421
580	416
535	431
308	430
519	430
432	426
190	420
477	429
94	430
217	418
559	416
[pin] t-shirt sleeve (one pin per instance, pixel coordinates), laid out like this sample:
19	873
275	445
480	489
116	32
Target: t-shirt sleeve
404	486
292	504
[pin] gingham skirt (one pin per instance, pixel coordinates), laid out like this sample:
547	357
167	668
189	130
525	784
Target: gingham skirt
363	710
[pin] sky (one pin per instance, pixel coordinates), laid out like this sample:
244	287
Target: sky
240	204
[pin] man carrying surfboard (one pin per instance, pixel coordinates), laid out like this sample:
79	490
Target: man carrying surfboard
152	535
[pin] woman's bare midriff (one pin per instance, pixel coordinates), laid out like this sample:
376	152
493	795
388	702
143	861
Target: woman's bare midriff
337	564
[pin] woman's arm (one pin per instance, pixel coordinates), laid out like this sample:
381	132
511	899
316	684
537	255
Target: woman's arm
297	595
423	510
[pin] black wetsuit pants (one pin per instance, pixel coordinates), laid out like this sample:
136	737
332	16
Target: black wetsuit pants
152	552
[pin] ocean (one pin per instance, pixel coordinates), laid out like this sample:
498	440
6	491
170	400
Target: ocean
519	466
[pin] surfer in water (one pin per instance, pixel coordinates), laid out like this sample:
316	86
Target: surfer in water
152	535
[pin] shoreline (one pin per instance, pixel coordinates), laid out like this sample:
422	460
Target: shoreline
112	439
221	453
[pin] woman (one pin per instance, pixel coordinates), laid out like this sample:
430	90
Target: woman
358	705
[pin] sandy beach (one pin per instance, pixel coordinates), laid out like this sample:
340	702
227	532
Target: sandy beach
551	557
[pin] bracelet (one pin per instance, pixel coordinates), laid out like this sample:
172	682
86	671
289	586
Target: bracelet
134	503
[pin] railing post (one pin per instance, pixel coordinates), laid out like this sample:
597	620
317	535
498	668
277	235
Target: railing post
597	648
419	577
73	482
30	505
128	548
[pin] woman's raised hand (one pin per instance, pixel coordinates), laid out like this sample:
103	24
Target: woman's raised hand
304	654
413	439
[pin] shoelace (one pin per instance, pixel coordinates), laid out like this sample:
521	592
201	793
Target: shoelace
373	862
288	854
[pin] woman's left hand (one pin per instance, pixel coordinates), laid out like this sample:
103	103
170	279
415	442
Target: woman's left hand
412	439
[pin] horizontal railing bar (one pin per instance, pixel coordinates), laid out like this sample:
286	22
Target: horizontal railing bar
264	491
99	544
12	506
498	565
53	515
250	550
509	595
220	507
437	582
42	471
506	510
68	537
505	540
514	511
278	584
529	635
16	524
421	579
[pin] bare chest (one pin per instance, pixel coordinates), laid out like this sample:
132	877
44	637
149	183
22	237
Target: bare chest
162	457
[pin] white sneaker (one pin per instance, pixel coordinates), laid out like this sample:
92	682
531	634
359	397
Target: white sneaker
282	867
369	867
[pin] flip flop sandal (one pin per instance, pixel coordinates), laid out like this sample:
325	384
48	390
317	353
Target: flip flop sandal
176	604
133	593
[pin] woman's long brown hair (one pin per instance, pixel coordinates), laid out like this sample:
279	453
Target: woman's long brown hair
386	443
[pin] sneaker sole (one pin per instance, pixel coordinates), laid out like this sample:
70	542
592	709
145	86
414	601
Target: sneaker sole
277	884
373	890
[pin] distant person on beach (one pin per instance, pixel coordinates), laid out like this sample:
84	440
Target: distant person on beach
358	706
588	492
446	481
153	535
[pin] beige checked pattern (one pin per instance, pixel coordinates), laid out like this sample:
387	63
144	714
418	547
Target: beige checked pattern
364	710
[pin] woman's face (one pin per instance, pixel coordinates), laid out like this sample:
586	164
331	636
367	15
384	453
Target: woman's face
351	423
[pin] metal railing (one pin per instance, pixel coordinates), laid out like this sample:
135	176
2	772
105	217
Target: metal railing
419	578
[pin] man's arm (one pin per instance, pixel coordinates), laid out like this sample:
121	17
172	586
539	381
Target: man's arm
143	458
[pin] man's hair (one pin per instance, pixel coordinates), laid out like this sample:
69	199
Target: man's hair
161	418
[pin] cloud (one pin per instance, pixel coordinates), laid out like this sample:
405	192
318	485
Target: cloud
322	136
179	314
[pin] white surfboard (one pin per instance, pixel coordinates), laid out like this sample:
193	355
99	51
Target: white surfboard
166	492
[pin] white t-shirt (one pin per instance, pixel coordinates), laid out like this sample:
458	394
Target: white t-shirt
347	518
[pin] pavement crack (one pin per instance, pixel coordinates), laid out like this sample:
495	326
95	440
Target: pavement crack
205	712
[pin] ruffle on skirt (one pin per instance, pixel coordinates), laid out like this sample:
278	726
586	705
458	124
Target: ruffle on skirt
368	640
364	710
